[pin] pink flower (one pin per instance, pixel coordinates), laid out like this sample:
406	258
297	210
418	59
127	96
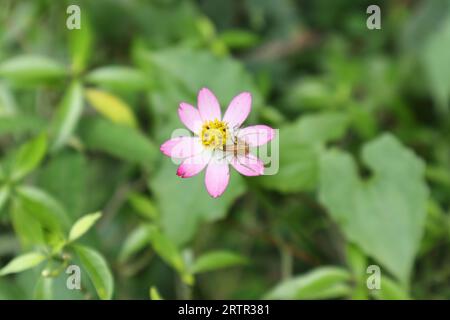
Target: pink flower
217	142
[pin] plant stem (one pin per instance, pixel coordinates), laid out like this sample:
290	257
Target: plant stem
286	263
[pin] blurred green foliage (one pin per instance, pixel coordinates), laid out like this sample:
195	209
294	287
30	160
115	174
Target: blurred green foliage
364	175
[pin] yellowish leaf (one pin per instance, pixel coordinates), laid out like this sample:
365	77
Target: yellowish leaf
111	107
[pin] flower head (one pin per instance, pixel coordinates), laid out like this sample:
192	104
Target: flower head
218	142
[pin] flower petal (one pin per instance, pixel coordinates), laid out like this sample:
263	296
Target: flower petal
248	165
238	110
182	147
217	177
193	165
190	117
208	105
256	135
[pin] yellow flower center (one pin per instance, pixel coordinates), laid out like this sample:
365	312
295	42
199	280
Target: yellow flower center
214	134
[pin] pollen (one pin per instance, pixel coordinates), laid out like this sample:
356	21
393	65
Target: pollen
214	134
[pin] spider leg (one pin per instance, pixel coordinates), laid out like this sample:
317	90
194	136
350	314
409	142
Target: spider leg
225	154
245	166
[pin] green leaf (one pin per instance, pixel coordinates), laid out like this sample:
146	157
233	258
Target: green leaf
65	177
4	195
67	115
435	58
217	260
111	107
47	210
180	219
80	44
320	283
119	78
29	69
299	150
390	290
82	225
423	23
165	248
120	141
26	226
239	39
138	239
357	262
29	157
143	205
43	289
21	123
8	105
22	263
384	215
97	270
201	70
154	294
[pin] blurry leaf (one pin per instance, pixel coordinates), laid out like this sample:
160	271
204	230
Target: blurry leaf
192	70
9	290
154	294
143	205
65	177
389	290
111	107
300	146
426	35
357	261
422	24
169	252
28	69
320	283
298	166
120	141
396	193
435	57
309	93
439	175
26	226
21	123
23	262
319	128
82	225
205	27
43	289
80	43
437	227
217	260
239	39
29	156
184	203
8	105
67	115
138	239
4	195
44	208
97	270
272	117
161	25
119	78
